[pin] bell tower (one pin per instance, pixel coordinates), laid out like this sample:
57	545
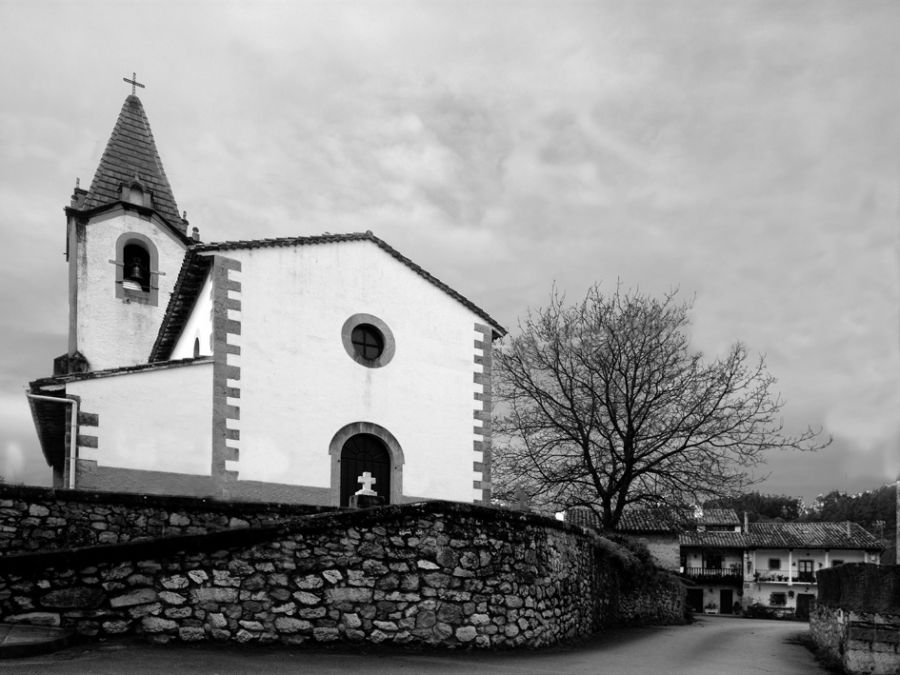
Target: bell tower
125	241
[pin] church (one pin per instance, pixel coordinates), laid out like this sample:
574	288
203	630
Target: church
259	370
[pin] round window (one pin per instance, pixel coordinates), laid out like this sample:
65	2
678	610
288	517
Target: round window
368	340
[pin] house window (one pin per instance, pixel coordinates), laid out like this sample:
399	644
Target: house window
774	563
368	340
805	571
777	599
137	269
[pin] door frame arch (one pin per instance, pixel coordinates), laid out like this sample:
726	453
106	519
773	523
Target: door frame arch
395	452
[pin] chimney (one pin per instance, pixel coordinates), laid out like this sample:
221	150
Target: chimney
848	528
746	523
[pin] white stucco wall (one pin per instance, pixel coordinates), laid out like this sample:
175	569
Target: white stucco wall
759	590
299	386
112	331
157	420
198	326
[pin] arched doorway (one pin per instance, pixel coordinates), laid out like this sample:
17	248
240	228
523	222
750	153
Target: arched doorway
360	453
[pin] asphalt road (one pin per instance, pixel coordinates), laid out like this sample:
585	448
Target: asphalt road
712	646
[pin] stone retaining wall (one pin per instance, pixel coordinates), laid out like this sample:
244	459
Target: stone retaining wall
856	621
434	573
40	519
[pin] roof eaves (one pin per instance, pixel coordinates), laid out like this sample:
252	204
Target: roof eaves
112	372
148	211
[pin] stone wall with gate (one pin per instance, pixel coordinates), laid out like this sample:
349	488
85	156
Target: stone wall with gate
855	623
433	573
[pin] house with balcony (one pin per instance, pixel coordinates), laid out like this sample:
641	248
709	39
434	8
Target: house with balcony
712	557
782	560
770	565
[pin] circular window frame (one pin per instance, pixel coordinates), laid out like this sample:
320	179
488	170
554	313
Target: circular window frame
386	335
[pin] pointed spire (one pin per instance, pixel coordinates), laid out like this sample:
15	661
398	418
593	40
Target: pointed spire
131	157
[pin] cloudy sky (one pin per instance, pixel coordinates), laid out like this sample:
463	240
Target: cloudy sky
745	152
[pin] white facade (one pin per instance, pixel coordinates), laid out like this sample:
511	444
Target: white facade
776	578
299	386
109	331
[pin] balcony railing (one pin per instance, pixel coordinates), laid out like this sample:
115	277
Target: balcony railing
778	578
714	573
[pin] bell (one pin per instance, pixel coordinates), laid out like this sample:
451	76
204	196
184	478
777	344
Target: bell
136	272
134	279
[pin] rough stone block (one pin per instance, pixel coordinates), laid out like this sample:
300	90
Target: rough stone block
171	598
115	627
325	634
466	633
218	595
198	576
155	624
289	624
35	618
175	582
139	596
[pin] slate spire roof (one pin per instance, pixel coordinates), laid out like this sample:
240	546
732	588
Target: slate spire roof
131	155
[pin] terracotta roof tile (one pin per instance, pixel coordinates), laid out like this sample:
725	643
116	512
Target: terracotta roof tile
131	151
718	517
650	520
194	267
811	535
713	539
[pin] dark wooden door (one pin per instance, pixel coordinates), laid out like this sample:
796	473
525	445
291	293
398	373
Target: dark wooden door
804	600
695	599
365	452
726	601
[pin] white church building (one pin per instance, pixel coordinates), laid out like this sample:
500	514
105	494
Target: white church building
271	369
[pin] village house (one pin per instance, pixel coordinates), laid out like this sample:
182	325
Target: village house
769	565
712	556
266	369
782	560
658	530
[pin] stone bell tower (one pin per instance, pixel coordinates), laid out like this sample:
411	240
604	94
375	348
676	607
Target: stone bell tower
125	241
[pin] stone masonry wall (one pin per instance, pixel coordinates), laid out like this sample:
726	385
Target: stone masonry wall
433	573
40	519
856	621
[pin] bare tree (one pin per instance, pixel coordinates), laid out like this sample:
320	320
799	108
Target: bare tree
604	404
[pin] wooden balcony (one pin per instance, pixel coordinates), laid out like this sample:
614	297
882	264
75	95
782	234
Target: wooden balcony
707	575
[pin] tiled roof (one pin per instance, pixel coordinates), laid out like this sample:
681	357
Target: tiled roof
38	386
811	535
713	539
131	152
718	517
193	271
181	302
650	520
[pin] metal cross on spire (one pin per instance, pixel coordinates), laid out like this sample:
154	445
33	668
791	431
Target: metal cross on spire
133	82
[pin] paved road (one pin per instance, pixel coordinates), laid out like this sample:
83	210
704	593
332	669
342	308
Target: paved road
712	646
